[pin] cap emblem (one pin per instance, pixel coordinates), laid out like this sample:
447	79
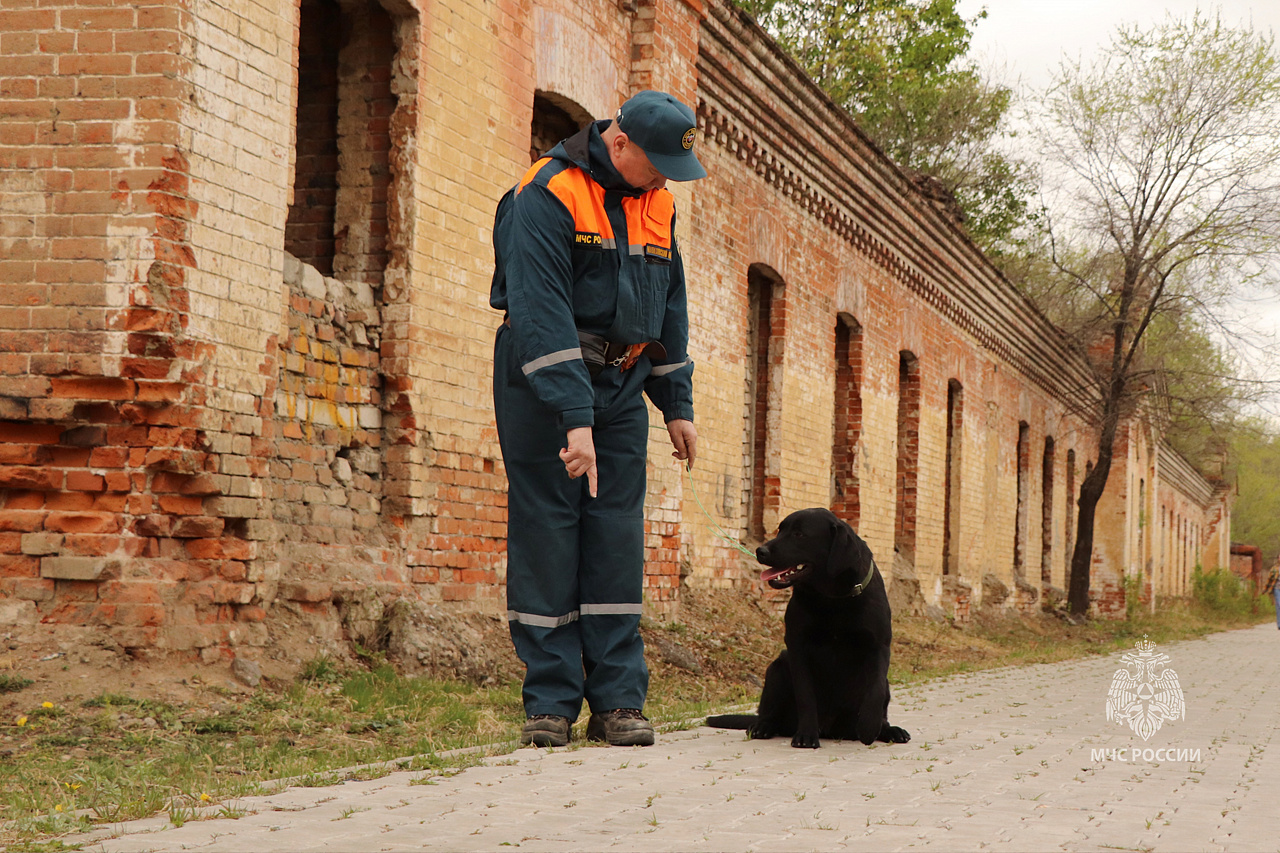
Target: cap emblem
687	139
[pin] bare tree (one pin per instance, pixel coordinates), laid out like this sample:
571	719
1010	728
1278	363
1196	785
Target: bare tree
1166	155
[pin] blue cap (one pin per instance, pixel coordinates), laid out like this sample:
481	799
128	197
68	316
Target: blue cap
665	130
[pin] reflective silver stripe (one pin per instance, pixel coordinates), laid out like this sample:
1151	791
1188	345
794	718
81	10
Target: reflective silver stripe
552	358
609	243
635	249
541	621
611	609
664	369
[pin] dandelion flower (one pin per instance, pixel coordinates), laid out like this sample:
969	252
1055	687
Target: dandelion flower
204	798
22	721
46	704
58	807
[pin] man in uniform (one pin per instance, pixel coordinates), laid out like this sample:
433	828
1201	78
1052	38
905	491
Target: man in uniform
591	282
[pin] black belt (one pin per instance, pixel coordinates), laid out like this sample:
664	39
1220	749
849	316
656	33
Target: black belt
599	353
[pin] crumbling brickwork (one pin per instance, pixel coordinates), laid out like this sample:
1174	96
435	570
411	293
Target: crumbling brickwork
245	343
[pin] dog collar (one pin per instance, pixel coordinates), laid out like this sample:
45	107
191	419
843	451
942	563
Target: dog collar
861	585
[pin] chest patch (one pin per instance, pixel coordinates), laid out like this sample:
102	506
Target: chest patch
588	240
656	254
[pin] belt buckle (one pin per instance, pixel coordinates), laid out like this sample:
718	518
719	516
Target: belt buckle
629	357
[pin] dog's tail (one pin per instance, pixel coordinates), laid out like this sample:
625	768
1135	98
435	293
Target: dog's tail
732	721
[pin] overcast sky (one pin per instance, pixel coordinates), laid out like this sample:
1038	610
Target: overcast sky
1021	43
1025	39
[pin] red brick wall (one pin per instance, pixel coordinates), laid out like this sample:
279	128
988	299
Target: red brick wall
908	462
108	485
763	360
309	229
953	484
848	421
195	429
1047	510
1023	514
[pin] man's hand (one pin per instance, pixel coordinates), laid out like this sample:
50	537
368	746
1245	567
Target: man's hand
684	438
579	457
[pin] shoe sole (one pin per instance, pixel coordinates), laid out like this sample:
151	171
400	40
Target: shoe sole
638	738
543	739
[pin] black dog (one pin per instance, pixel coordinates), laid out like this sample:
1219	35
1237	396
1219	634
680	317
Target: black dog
831	681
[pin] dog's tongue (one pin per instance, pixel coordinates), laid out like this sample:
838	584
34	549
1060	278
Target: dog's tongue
770	574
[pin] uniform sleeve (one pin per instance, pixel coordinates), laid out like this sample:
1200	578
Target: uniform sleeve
670	383
533	241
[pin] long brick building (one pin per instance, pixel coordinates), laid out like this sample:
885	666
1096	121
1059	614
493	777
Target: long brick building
245	345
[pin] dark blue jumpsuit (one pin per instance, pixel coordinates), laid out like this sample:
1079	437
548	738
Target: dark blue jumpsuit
579	250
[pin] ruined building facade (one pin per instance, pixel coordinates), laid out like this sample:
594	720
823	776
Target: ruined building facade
245	345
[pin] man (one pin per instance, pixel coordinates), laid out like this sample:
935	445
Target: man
589	275
1272	587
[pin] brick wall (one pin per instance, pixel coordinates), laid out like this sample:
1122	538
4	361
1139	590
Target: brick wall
847	421
245	341
310	226
908	456
769	204
953	482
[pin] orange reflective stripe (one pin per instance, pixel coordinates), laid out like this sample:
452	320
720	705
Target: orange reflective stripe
585	200
649	218
532	173
583	197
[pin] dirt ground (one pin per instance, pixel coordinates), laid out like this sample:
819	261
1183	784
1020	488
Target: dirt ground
720	635
724	636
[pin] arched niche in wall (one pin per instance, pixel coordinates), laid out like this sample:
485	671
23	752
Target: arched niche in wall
555	117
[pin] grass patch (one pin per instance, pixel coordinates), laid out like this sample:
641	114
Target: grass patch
117	757
926	650
13	683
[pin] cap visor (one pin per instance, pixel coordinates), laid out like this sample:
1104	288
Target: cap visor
682	168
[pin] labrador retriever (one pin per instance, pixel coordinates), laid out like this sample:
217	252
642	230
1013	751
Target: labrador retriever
831	680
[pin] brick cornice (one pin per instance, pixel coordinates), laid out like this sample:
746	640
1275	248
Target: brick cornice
1182	475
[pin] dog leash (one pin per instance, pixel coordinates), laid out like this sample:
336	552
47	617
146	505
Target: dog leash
715	528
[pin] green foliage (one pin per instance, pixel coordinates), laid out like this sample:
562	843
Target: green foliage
901	67
322	669
1133	584
1223	594
1255	518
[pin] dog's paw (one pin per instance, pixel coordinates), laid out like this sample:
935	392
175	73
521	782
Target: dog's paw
760	732
894	734
803	740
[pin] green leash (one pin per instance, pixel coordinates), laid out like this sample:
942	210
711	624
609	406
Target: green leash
715	528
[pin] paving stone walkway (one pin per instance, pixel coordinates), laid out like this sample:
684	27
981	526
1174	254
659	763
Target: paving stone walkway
1011	759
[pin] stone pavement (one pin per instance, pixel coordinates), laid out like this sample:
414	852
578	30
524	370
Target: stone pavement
1011	759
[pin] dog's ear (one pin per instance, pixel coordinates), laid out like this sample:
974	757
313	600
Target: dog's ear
848	552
